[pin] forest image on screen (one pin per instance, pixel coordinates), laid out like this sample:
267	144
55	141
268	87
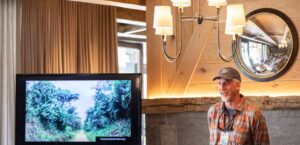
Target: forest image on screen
77	111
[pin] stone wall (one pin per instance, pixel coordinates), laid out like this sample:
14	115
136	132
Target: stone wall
190	128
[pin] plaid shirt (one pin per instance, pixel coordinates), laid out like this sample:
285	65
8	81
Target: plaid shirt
249	126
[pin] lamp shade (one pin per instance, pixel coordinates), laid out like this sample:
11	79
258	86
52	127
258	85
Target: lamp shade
163	20
233	30
181	3
235	20
164	31
217	3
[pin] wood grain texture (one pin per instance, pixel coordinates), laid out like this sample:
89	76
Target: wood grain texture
130	14
154	70
177	105
190	57
205	72
136	2
189	60
274	88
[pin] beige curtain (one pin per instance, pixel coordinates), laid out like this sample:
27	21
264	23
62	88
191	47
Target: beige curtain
9	14
60	36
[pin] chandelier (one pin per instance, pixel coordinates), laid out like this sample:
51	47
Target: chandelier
163	24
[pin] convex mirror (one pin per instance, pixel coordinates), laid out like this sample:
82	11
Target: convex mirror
268	45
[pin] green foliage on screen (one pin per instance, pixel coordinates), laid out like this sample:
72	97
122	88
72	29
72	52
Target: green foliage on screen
110	115
49	114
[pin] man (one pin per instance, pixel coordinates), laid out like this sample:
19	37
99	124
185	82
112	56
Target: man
233	120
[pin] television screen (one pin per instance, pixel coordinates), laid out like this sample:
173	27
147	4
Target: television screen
78	109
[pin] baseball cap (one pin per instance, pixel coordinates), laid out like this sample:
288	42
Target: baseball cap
228	73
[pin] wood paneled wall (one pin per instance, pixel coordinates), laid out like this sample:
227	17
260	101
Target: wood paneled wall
191	75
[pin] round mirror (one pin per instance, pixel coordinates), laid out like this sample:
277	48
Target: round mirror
268	45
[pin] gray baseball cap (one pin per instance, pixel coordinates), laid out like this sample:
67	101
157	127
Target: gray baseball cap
228	73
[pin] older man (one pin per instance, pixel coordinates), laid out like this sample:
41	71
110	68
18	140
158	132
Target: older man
233	120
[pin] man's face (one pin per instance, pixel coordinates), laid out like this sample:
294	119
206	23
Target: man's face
228	89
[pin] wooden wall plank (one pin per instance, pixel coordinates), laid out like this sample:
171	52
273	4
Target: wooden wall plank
154	70
274	88
205	72
189	60
130	14
210	54
191	57
177	105
136	2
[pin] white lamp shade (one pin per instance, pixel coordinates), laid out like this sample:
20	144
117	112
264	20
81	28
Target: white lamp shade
235	19
162	17
233	30
164	31
181	3
217	3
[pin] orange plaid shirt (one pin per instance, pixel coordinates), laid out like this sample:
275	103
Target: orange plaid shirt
249	127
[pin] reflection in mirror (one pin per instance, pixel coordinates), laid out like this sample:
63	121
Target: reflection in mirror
267	46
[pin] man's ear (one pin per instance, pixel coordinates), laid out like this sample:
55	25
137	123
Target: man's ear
238	84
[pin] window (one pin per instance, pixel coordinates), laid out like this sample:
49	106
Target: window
132	59
129	60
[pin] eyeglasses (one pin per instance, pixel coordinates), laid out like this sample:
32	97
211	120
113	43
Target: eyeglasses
229	125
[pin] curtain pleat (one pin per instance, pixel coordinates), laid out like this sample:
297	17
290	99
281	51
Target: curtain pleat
61	36
8	43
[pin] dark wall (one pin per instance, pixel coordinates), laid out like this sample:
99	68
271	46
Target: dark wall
190	128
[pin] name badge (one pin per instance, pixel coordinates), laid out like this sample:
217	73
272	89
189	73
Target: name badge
224	138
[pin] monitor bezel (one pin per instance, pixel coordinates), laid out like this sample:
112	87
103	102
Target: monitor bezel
136	80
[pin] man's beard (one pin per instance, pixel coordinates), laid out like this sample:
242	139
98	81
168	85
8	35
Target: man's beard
227	96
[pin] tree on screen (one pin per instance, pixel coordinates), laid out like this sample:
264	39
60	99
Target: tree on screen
110	115
49	113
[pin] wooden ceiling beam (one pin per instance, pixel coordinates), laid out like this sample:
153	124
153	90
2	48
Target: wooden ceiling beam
128	4
136	2
130	14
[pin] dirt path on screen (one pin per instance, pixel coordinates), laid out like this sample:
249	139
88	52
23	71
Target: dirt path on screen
81	136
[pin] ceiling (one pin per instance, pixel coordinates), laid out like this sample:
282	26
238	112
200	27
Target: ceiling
267	27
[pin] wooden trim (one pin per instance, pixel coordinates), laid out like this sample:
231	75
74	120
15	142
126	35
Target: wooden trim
128	4
178	105
132	15
136	2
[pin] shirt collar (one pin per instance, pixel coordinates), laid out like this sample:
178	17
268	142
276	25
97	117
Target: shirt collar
240	106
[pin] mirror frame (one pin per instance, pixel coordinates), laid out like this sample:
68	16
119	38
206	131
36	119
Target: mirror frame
293	54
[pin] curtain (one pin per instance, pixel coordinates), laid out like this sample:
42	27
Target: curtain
60	36
8	43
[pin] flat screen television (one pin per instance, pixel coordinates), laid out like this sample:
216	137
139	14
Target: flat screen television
77	109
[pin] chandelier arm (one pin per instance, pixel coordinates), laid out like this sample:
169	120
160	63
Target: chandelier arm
180	31
228	59
168	57
198	11
224	58
212	18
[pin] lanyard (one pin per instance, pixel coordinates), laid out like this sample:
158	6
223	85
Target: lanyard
227	126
